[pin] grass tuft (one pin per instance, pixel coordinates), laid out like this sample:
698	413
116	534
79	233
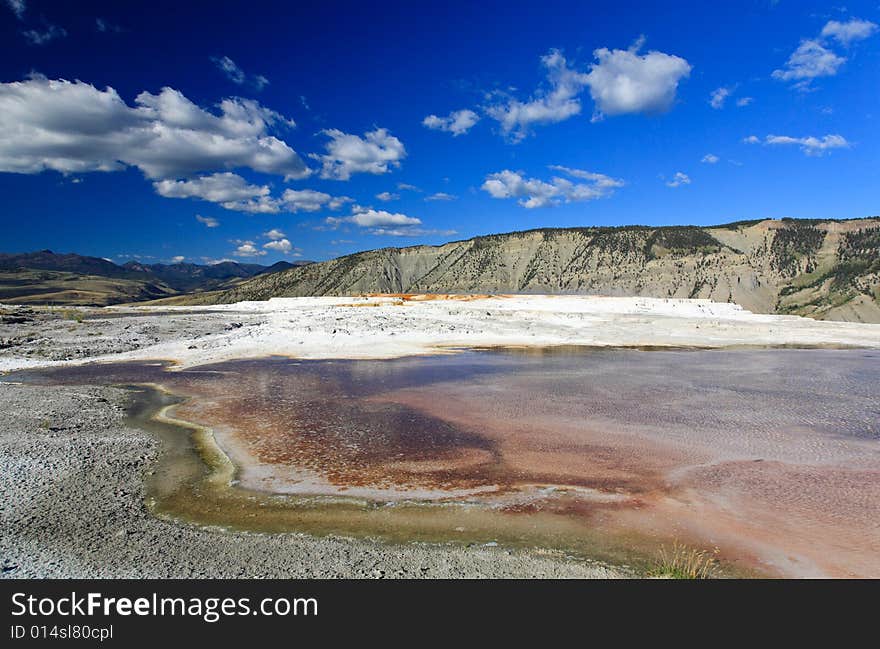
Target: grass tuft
72	314
682	562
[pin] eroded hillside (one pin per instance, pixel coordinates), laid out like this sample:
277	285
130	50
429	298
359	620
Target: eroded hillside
822	269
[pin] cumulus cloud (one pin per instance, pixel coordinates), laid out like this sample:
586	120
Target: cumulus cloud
229	190
409	232
718	96
387	196
368	218
238	76
73	127
279	245
808	61
600	180
850	31
814	146
382	223
710	158
247	249
679	179
532	192
309	200
625	82
407	187
441	196
234	193
274	234
457	122
217	188
177	259
207	221
376	153
813	58
744	101
555	104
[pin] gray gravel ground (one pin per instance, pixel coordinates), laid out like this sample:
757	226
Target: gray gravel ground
60	334
72	505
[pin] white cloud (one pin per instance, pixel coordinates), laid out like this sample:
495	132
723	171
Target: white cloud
409	232
555	104
234	193
238	76
441	196
532	192
601	181
17	7
718	97
279	245
309	200
247	249
177	259
387	196
625	82
457	122
207	221
744	101
73	127
217	188
679	179
710	158
375	153
382	223
751	139
368	218
47	34
274	234
229	190
813	59
850	31
407	187
808	61
810	145
234	73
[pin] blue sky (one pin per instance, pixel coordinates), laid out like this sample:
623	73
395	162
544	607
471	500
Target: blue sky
283	128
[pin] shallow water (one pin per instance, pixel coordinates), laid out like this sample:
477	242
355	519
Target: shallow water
771	456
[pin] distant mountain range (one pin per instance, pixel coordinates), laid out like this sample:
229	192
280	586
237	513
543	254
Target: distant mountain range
46	277
825	269
194	277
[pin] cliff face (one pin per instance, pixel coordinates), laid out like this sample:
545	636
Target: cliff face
822	269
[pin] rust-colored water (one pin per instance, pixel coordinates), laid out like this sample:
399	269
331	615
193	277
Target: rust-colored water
772	456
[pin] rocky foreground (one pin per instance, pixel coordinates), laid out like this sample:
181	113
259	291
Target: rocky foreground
72	488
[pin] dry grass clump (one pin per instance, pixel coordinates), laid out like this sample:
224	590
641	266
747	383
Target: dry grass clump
682	562
72	314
